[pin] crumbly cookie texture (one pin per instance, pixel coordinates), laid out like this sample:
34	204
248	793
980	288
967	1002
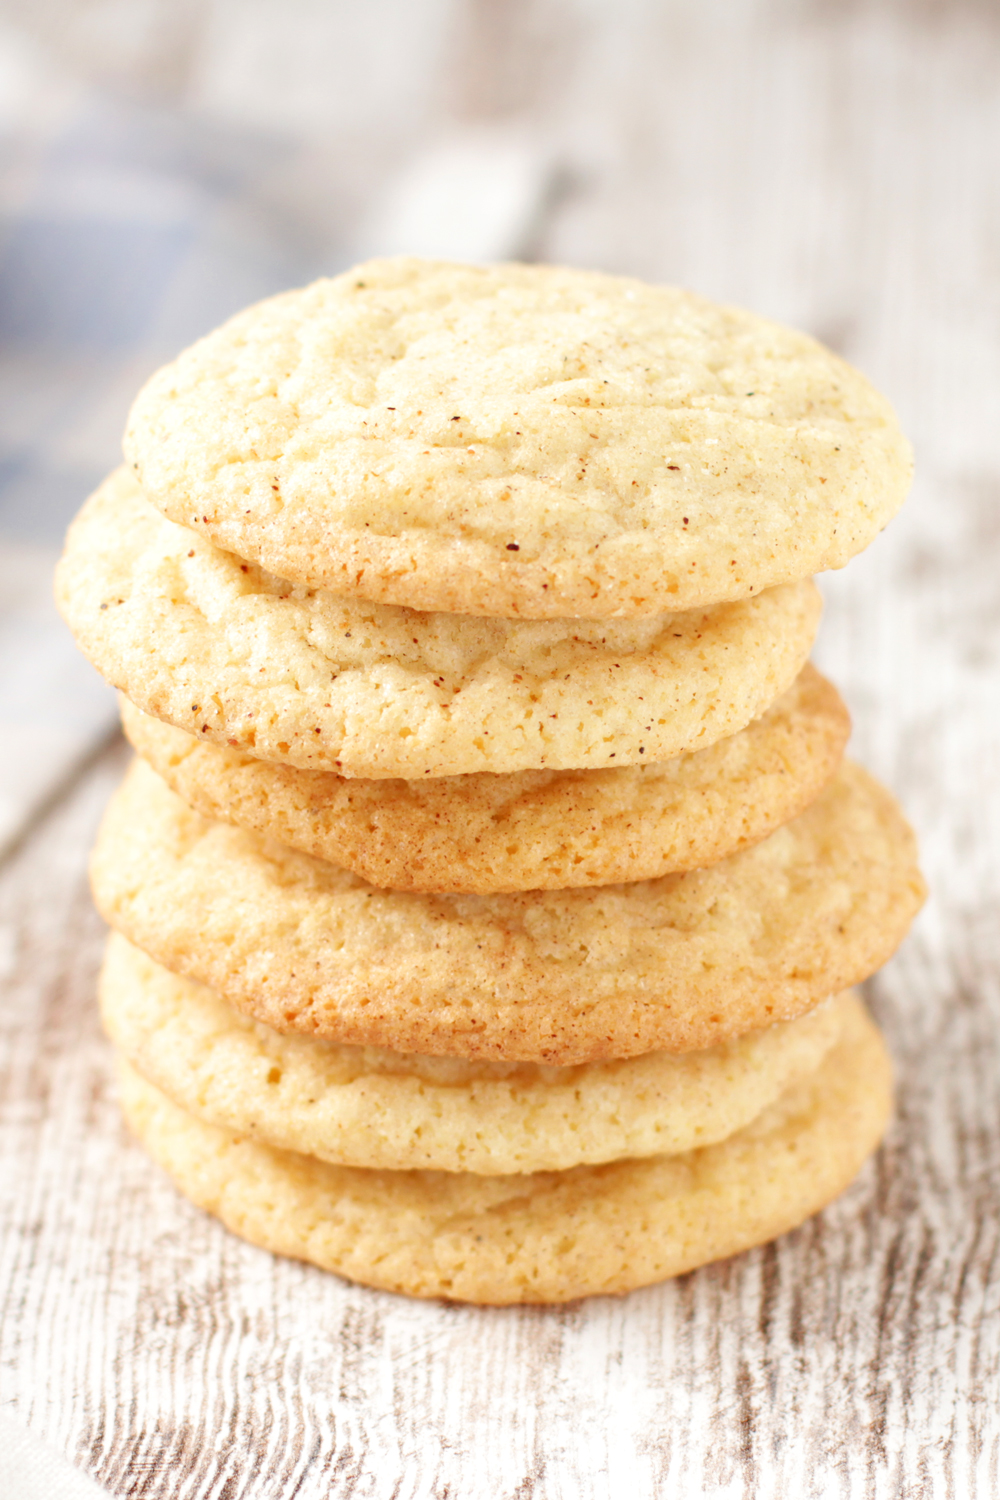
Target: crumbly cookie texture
523	440
292	674
367	1107
533	829
548	1237
680	963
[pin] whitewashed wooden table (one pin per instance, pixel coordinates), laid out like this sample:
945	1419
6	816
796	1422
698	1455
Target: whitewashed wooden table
836	167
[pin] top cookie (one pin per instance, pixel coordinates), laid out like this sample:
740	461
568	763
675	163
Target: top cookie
521	441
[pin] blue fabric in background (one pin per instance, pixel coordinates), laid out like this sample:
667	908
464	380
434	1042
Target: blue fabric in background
138	232
86	283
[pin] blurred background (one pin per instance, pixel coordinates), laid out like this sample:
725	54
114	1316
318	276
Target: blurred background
831	163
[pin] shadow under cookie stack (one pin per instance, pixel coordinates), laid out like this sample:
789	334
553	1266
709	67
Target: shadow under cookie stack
489	887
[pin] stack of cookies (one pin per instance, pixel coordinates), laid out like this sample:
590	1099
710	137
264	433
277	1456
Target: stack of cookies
490	885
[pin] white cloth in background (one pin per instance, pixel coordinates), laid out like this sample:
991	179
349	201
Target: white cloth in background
54	708
29	1470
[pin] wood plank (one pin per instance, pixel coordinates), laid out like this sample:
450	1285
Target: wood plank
832	166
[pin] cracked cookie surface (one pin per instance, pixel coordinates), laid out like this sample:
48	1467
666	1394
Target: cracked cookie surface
679	964
522	440
530	830
294	674
372	1107
546	1237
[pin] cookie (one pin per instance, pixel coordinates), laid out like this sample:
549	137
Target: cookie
533	829
546	1237
680	963
522	441
367	1107
291	674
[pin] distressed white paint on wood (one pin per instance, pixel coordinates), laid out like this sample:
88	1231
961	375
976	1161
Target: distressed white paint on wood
832	165
171	1360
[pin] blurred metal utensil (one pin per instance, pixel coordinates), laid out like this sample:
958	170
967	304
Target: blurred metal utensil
477	195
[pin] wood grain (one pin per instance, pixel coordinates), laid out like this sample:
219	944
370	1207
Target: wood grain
833	166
